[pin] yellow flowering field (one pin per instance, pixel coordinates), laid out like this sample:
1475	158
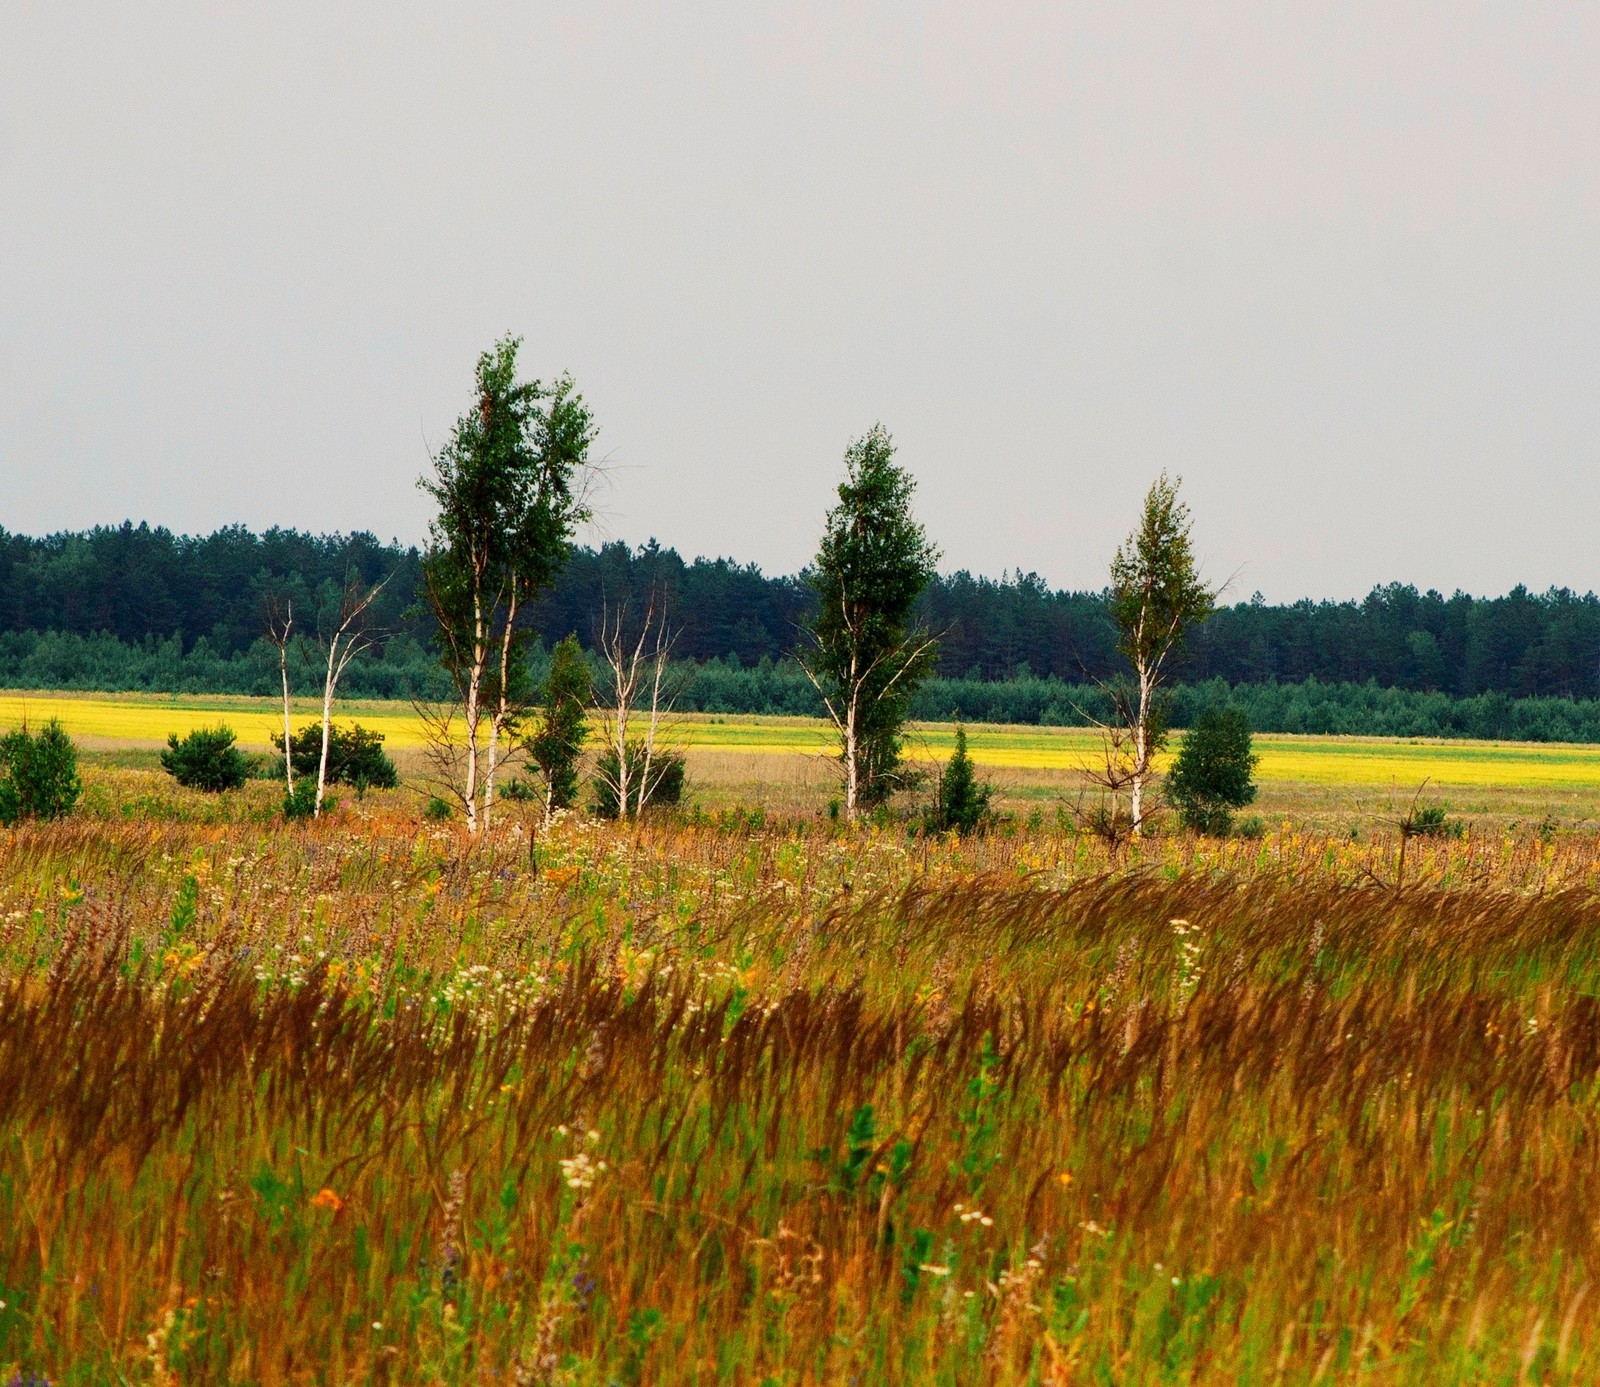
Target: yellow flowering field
145	720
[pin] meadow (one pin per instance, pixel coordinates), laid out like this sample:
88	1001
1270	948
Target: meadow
737	1095
1330	783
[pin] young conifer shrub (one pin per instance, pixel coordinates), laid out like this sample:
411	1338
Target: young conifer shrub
206	760
563	726
1214	772
355	756
963	801
38	774
665	780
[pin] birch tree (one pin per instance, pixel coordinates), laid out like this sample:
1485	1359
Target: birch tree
345	636
508	485
636	691
280	628
1156	595
866	658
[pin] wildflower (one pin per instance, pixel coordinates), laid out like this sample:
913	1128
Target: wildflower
449	1250
581	1171
327	1199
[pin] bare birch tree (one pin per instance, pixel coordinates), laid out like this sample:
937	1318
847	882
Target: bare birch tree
637	689
345	636
280	626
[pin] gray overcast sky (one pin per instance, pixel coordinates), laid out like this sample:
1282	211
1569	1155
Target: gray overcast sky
1337	264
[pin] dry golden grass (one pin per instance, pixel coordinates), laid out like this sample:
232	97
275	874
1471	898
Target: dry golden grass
702	1101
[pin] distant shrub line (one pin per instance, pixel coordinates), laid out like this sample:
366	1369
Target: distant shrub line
407	669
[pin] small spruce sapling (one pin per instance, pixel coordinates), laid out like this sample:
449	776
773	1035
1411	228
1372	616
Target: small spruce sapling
38	774
963	801
556	747
1213	774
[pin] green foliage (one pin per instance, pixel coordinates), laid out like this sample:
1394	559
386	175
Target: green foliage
556	747
1432	821
505	487
1155	596
874	562
404	668
206	760
185	907
1156	591
38	774
437	810
963	801
355	756
68	625
301	802
665	780
1214	771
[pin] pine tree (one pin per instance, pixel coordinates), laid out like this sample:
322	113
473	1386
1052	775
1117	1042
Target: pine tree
563	725
963	798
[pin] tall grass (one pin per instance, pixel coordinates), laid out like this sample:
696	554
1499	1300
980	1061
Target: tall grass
354	1103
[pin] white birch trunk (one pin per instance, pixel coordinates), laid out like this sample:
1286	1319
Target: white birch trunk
502	710
327	723
474	711
288	758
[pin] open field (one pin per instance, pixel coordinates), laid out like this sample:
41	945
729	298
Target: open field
358	1102
1323	782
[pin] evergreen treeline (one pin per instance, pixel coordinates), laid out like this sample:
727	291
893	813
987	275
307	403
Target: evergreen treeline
155	610
55	660
1310	706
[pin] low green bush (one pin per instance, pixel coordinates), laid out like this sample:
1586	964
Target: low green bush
40	774
355	756
666	779
206	760
1214	773
962	804
301	802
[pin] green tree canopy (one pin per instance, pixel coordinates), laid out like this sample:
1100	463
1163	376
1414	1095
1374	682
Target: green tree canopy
507	486
867	660
1214	771
563	724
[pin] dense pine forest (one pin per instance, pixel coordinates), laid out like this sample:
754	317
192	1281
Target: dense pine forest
135	607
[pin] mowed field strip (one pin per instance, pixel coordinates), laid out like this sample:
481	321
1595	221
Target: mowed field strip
107	721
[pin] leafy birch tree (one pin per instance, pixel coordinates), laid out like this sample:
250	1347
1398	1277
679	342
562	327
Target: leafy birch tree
509	488
866	656
1156	596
